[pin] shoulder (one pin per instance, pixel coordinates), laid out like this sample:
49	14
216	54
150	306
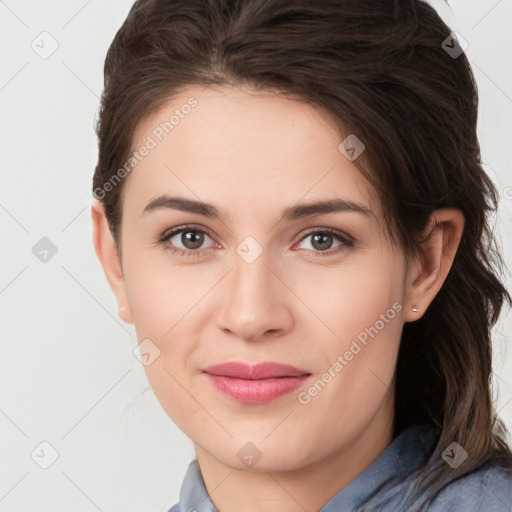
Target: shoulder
488	488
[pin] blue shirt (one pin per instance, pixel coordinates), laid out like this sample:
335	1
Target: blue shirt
386	484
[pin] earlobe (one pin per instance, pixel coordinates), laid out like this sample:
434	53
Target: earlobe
106	250
429	273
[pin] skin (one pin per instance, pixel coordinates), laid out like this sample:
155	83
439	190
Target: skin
253	154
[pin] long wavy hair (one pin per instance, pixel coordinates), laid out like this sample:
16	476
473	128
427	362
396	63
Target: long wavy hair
382	69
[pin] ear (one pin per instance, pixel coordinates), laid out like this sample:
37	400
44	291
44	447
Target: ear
106	251
427	274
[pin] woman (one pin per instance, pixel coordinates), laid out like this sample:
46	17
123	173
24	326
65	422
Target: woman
292	212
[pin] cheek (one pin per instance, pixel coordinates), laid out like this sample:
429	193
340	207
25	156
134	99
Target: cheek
348	299
159	311
156	292
358	337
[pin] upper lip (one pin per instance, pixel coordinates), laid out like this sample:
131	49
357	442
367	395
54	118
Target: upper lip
246	371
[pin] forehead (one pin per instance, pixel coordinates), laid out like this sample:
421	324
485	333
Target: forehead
244	148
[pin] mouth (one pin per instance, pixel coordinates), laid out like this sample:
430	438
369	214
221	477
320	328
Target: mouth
258	371
258	383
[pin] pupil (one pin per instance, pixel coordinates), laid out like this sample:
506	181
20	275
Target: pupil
323	238
192	240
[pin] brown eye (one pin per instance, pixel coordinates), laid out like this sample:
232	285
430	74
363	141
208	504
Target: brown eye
192	239
322	241
185	239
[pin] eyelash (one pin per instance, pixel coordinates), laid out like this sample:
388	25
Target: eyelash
166	236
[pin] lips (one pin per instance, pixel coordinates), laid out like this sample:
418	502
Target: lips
259	371
255	384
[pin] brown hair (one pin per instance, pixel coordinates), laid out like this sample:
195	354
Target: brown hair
381	69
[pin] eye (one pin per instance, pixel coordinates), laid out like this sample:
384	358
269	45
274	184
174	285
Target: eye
190	239
322	241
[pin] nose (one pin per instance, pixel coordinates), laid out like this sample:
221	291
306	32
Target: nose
254	302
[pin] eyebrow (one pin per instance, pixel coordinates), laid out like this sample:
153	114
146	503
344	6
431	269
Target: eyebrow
292	213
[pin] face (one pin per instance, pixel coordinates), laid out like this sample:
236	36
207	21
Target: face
321	292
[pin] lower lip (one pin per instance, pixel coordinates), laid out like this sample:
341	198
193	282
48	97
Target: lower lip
256	391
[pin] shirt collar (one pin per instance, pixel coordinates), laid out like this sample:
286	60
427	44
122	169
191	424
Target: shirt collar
402	457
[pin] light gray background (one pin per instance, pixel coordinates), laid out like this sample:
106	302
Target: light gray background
68	375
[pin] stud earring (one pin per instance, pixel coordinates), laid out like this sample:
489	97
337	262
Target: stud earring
414	308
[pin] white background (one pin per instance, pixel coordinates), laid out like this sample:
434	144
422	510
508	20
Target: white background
68	375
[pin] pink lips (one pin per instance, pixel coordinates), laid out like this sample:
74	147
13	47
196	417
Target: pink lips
255	383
